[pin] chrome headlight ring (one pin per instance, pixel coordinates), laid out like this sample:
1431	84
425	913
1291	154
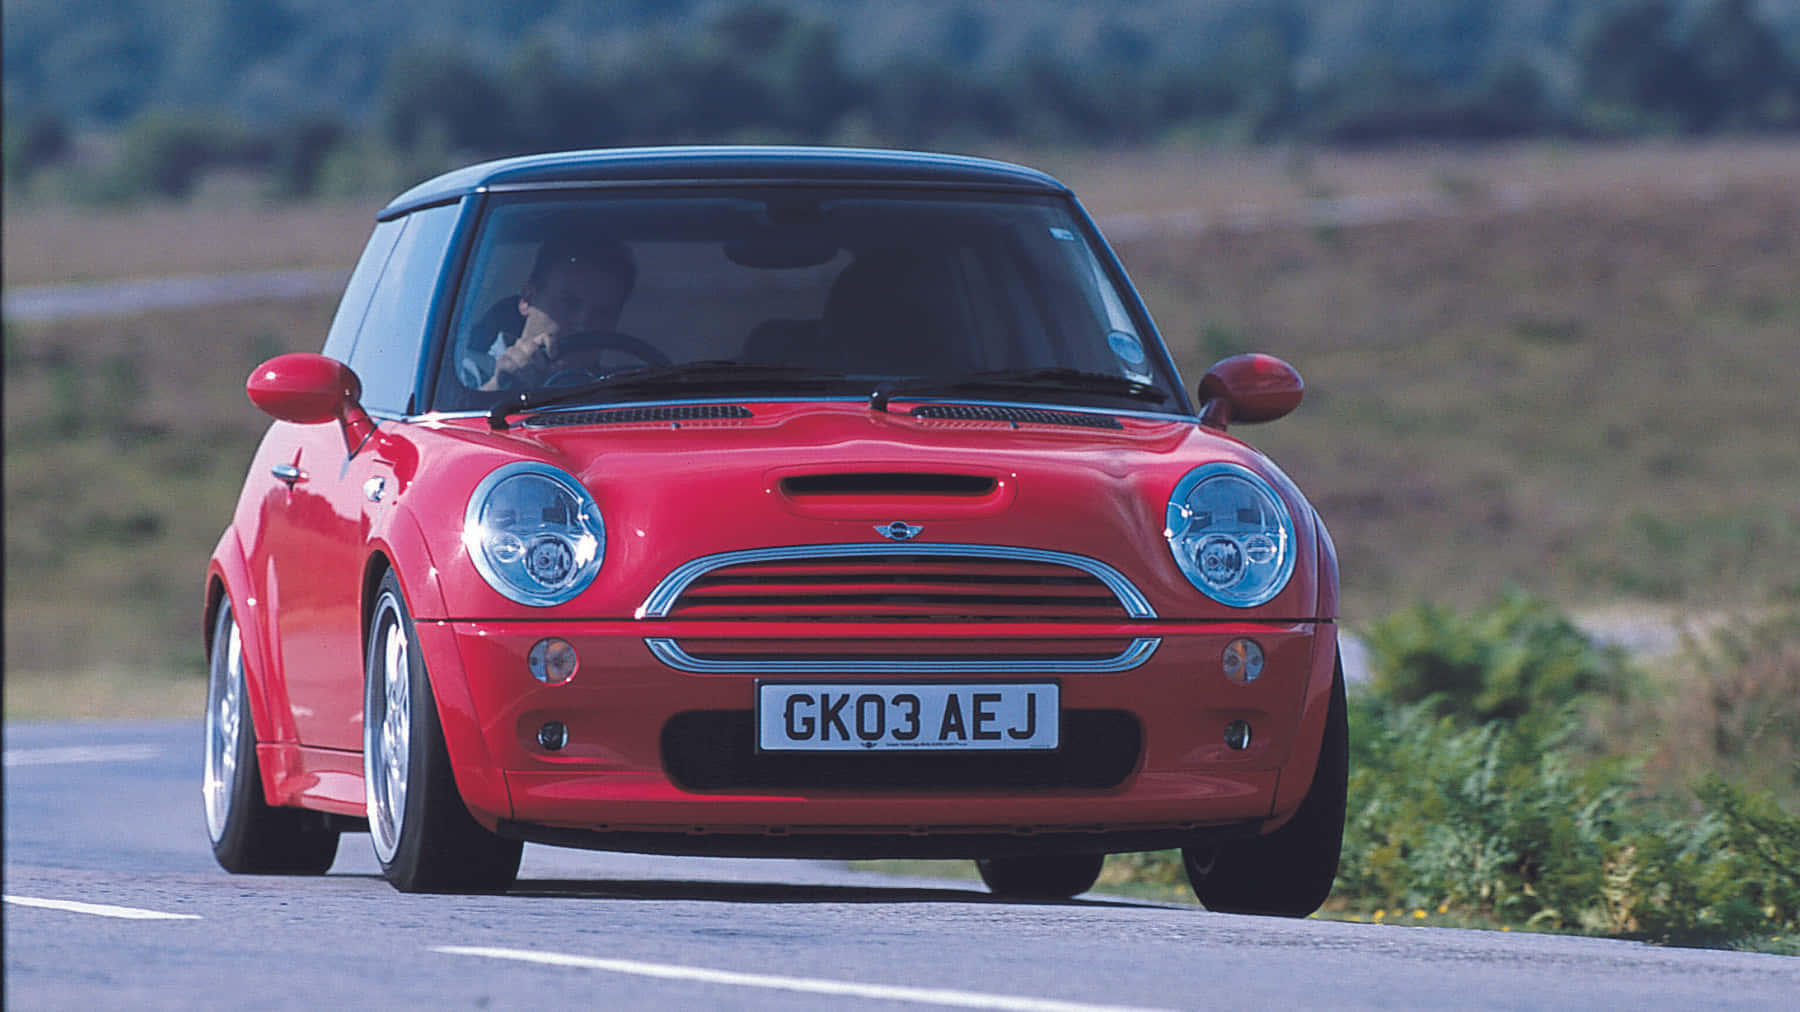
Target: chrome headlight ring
1231	534
534	533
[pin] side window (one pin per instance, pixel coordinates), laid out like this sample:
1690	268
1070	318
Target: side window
388	344
362	284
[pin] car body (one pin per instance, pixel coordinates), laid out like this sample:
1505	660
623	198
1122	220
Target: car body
894	535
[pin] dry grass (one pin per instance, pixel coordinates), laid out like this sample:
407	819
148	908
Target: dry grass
126	444
58	245
1281	181
66	245
1727	702
108	693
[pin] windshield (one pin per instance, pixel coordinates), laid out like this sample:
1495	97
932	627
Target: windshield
907	291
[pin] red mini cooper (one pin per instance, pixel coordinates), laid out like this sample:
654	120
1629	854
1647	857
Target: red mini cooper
778	502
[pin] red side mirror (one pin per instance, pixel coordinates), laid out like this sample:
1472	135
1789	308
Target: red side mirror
309	389
1248	388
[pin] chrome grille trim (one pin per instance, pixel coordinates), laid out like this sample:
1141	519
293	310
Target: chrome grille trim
663	598
670	652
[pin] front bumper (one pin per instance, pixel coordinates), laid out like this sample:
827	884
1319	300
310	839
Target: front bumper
626	779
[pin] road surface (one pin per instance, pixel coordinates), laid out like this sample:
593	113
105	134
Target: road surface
113	901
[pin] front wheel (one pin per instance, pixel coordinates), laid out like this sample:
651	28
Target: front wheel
249	836
424	836
1289	872
1041	877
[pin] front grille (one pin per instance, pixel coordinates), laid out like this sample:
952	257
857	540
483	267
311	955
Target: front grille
668	413
1018	416
898	587
916	655
715	750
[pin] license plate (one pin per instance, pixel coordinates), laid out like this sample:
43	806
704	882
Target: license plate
860	717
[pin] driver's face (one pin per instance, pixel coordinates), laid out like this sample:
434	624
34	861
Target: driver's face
575	297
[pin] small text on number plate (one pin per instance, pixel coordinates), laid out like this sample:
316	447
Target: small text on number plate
837	716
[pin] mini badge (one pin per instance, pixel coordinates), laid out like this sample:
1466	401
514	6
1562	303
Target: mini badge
899	530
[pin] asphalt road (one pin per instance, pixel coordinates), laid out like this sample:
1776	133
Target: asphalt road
113	901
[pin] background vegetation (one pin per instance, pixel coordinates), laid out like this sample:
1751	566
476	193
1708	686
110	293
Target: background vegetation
114	99
1541	758
1549	379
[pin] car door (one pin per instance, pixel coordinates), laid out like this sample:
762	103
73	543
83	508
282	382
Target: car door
318	528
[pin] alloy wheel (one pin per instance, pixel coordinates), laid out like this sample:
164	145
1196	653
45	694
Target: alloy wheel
387	752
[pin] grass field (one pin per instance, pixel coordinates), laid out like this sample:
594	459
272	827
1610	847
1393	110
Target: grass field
1565	370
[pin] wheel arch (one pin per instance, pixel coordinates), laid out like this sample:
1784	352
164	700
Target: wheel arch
403	551
1327	665
1327	593
228	578
1296	778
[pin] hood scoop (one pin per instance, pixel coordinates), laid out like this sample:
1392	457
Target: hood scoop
892	483
879	496
1017	416
666	413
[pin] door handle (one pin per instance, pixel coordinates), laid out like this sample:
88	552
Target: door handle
288	473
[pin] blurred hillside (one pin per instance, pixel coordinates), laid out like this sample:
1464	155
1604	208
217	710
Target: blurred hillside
119	99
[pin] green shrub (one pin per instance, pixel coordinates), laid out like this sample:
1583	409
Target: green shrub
1498	823
164	154
1516	657
1766	842
32	143
1491	820
1471	790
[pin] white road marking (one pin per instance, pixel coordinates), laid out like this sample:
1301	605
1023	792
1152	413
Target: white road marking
878	992
80	754
100	909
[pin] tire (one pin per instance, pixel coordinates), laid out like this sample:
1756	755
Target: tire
424	836
249	836
1043	877
1289	872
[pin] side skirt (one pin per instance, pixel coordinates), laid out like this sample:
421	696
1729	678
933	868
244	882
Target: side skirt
324	780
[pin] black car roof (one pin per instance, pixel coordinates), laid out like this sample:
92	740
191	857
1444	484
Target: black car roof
687	165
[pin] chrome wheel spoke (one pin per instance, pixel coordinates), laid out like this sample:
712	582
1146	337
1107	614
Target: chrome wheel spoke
224	715
388	734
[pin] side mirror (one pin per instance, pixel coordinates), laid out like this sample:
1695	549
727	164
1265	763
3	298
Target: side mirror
310	389
1248	388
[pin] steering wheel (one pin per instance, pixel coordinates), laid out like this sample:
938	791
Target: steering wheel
588	343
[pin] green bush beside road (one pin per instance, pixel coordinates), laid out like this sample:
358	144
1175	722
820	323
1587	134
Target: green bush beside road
1543	818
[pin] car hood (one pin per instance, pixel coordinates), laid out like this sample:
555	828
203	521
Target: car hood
674	486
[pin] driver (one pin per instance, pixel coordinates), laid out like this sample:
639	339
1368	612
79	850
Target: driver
578	285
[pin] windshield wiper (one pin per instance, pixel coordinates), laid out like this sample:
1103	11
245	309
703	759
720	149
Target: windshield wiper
709	372
1059	378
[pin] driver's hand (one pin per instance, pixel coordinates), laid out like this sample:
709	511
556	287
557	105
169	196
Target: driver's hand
529	359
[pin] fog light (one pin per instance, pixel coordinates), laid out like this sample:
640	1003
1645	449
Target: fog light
1237	735
553	661
1243	661
553	735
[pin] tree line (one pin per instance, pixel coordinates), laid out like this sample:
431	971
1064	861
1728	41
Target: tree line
310	112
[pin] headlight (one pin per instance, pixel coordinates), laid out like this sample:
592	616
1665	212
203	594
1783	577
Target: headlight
1231	535
534	534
